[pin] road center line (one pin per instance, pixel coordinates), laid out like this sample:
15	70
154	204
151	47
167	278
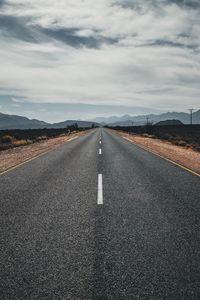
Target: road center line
100	190
100	151
99	142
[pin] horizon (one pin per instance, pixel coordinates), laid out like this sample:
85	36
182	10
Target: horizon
95	119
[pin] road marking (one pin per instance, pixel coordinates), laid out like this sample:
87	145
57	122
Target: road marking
35	157
100	190
99	142
167	159
100	151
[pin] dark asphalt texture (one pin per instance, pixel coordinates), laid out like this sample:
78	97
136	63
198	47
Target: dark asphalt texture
57	243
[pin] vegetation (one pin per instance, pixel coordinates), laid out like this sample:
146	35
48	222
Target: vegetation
181	135
73	127
17	137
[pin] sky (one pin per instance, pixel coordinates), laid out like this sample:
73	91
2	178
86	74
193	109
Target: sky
79	59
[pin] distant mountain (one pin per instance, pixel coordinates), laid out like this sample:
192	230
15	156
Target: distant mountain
196	117
71	122
128	120
112	119
169	122
104	120
19	122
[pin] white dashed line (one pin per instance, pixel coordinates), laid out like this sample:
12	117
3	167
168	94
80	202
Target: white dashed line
100	190
99	142
100	151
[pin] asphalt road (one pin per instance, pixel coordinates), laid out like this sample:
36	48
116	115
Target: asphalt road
63	235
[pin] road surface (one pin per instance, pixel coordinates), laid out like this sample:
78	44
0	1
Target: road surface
99	218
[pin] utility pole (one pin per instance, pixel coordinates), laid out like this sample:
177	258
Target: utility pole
191	115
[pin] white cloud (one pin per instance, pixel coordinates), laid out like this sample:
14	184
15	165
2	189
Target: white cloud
153	62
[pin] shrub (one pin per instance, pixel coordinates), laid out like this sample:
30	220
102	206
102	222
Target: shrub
7	139
180	143
41	138
62	134
146	135
21	143
167	137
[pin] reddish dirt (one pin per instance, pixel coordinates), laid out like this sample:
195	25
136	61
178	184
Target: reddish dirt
184	156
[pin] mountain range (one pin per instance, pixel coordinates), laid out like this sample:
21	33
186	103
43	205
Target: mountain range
128	120
19	122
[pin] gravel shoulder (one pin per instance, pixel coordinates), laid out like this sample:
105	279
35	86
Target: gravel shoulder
187	157
13	157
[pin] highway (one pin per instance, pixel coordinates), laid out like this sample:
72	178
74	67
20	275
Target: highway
99	218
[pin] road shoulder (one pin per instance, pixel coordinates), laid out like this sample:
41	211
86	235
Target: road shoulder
188	158
12	158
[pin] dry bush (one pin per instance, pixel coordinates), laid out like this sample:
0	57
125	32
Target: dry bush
21	143
7	139
41	138
147	135
180	143
168	137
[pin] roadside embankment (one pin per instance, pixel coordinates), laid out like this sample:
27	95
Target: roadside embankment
186	157
18	155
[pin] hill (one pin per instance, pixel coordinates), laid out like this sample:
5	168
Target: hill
64	124
169	122
19	122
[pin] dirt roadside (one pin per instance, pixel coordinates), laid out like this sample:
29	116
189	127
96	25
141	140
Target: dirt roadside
186	157
13	157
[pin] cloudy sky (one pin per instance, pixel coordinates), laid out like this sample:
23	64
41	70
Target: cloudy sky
85	58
